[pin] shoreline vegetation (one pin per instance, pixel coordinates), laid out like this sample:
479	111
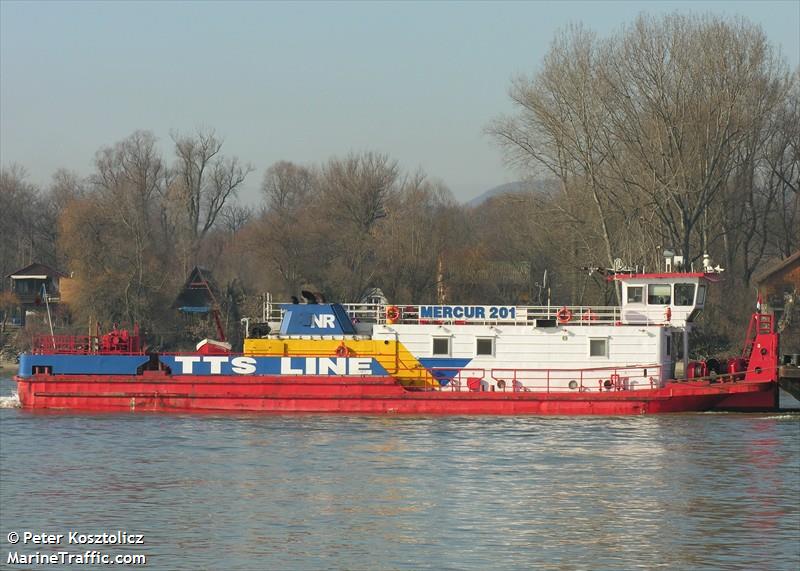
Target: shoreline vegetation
674	133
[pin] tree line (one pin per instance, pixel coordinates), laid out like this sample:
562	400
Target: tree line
679	132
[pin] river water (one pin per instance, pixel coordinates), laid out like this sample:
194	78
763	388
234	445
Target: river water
690	491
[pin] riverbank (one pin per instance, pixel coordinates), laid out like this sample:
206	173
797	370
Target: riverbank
7	367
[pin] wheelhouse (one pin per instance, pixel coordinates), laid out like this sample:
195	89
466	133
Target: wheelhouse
674	298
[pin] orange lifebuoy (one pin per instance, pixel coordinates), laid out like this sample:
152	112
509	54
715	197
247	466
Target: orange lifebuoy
589	315
564	315
342	350
392	314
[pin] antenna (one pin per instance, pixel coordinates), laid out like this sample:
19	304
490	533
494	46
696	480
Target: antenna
49	317
668	256
541	287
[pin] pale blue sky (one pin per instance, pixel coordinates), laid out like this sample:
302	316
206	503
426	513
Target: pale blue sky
299	81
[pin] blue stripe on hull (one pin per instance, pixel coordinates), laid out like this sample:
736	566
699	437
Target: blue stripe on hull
83	364
243	365
202	365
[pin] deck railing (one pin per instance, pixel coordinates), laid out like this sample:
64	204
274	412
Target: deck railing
477	314
530	315
484	315
69	344
115	343
603	379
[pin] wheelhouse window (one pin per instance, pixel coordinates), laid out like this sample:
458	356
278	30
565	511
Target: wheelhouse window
484	347
635	294
659	294
598	347
441	346
684	294
701	295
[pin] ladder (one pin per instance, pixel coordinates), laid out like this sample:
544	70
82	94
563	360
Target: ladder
760	324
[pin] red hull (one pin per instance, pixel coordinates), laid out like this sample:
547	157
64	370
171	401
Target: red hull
360	395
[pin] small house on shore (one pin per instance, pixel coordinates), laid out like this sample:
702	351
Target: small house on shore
779	288
197	300
35	286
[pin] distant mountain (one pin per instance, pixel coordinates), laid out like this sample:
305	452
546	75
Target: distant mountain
517	187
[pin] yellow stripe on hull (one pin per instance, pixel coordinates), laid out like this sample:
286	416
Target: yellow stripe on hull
391	355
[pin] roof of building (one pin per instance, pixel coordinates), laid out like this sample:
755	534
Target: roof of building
373	293
778	266
199	291
37	269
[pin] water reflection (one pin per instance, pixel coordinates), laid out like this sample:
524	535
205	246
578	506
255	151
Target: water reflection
317	492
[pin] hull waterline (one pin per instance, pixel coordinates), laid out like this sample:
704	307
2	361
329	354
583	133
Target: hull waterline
361	395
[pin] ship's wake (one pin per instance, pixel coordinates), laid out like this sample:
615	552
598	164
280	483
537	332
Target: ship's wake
10	401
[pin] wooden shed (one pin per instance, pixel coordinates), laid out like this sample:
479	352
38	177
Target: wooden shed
34	286
779	287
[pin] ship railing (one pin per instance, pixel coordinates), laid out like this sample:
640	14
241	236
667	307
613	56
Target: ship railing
358	312
384	314
600	379
112	343
68	344
526	315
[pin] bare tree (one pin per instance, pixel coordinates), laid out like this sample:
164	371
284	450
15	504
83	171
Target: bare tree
357	187
205	182
129	180
25	222
287	231
689	93
65	186
355	191
413	239
563	125
235	217
653	125
287	187
782	163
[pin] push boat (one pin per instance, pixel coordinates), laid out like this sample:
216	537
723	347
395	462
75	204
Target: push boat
426	359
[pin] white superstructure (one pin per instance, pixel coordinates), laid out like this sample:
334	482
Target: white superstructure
578	348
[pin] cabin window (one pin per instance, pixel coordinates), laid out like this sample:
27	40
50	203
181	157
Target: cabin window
701	295
659	294
441	346
25	287
684	294
635	294
484	347
598	347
